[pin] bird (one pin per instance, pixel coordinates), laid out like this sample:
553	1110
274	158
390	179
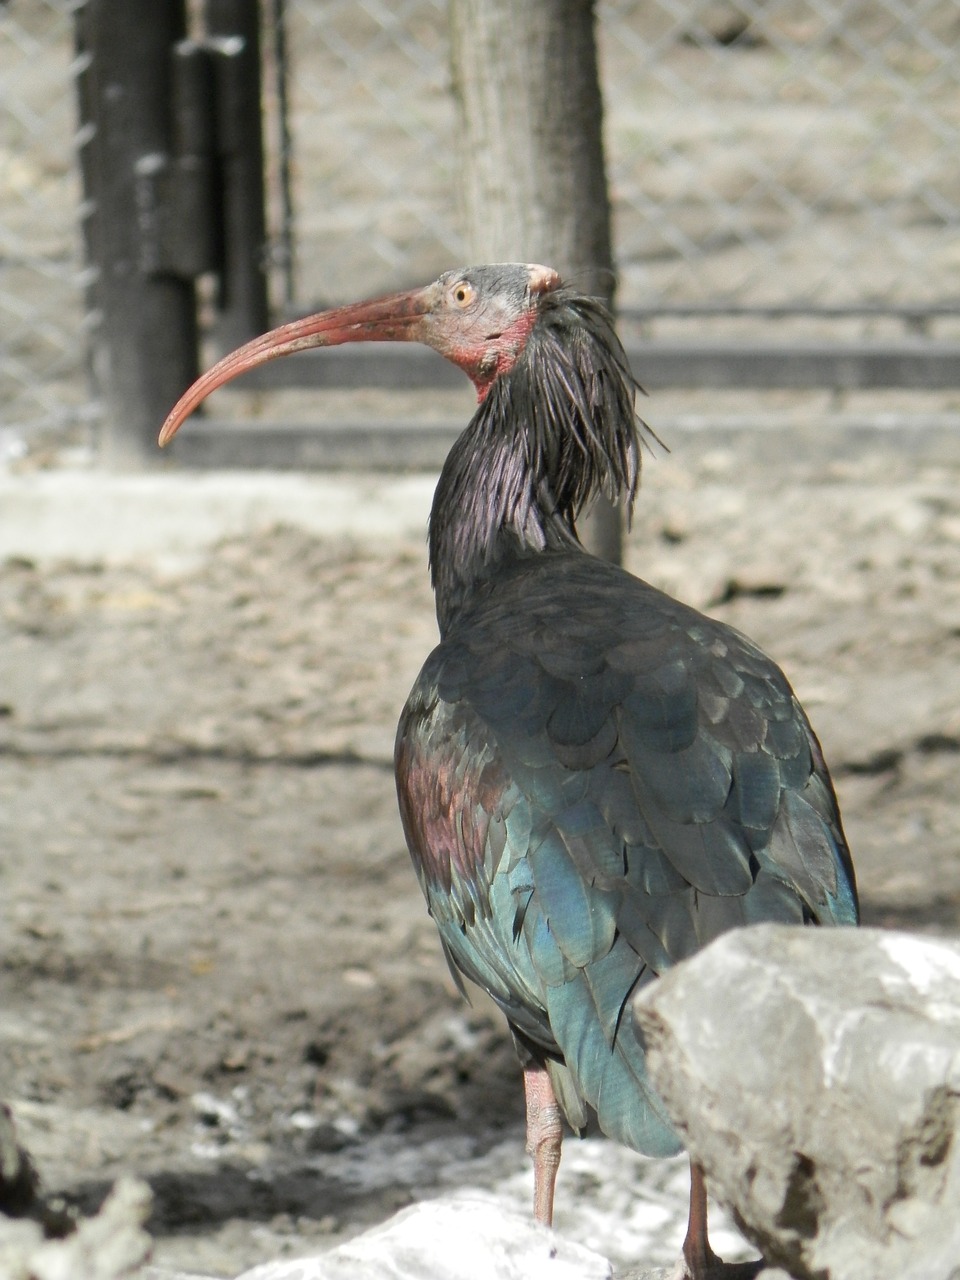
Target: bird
594	779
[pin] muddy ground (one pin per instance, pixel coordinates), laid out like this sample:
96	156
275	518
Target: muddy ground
216	967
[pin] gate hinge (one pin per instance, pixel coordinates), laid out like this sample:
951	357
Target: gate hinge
179	196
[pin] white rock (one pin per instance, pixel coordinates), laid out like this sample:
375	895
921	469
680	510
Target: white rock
463	1238
815	1073
110	1245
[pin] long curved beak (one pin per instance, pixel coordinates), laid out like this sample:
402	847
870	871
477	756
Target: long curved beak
398	317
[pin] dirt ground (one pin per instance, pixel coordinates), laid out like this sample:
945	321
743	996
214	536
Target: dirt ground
217	971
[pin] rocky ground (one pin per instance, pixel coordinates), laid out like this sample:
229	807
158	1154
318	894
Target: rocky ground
216	967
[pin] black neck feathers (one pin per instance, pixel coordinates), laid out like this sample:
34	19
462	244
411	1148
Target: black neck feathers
553	432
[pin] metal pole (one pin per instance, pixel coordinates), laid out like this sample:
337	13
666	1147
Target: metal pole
144	330
284	254
234	25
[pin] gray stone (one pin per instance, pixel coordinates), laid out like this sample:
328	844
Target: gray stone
815	1073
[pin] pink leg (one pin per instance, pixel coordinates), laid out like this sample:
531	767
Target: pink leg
699	1262
697	1254
544	1136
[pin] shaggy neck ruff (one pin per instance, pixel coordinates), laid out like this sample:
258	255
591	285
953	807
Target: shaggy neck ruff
551	433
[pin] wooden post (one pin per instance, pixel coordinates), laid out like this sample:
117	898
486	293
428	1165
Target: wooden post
532	175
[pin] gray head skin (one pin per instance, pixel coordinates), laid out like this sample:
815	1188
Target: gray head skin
555	425
478	317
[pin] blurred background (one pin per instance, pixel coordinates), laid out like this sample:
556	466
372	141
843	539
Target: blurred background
779	171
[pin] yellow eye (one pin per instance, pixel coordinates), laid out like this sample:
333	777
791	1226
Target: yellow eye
463	293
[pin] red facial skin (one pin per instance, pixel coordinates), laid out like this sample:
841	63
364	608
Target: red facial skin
483	331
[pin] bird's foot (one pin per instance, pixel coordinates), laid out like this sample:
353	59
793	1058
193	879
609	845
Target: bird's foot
714	1268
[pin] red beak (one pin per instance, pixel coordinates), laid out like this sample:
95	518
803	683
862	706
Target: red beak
395	318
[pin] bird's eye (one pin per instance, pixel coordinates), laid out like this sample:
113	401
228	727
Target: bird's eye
463	293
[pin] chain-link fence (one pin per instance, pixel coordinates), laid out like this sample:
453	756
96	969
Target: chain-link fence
786	152
41	314
763	155
762	152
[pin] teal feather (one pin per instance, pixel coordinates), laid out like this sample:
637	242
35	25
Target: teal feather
756	786
587	837
614	1083
690	785
547	961
612	980
582	919
595	799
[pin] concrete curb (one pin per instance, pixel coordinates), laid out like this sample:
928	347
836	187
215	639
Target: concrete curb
91	516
